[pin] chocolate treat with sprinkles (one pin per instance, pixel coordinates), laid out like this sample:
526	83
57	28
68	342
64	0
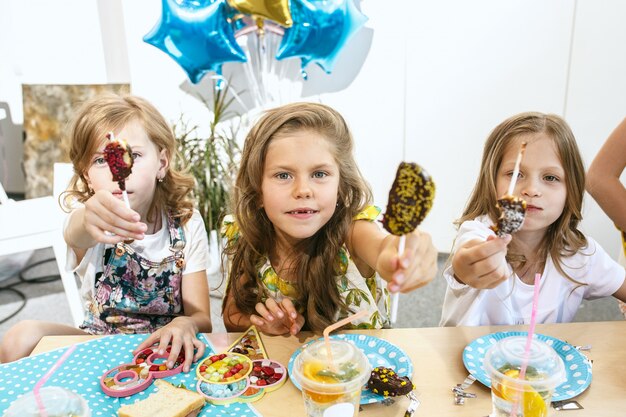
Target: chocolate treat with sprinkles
512	215
119	157
386	382
410	199
512	209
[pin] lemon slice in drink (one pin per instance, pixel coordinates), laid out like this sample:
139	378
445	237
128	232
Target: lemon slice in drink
314	372
533	404
505	391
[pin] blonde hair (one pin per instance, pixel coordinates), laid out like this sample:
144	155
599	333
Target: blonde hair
562	239
109	112
316	264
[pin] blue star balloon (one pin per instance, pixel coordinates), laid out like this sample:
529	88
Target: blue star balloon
320	30
197	35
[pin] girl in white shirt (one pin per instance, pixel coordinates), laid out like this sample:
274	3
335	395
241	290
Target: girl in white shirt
490	279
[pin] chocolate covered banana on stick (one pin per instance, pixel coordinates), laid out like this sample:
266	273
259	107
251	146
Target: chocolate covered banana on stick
410	199
119	157
512	209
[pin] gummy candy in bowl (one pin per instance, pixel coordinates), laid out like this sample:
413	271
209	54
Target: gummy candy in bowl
267	374
224	368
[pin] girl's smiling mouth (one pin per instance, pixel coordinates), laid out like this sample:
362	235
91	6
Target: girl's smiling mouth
302	212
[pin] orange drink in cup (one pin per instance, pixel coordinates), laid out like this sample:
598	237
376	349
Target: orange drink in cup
528	397
331	381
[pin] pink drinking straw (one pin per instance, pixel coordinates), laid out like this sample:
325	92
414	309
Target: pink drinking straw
332	327
529	339
39	384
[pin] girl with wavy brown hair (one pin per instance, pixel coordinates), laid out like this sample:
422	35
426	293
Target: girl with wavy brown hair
303	247
143	268
490	279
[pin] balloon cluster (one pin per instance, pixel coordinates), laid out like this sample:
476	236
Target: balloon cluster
201	35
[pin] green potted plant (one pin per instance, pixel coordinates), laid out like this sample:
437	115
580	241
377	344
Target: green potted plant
212	159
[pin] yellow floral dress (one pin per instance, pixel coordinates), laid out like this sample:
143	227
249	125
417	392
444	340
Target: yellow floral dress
358	292
622	260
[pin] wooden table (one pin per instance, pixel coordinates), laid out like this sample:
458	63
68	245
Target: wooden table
436	355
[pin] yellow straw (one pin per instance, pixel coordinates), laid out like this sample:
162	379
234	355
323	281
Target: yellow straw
332	327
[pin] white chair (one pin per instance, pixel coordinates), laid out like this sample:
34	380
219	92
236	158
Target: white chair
37	223
62	174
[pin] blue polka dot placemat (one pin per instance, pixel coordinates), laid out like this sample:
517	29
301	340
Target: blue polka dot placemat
577	366
82	370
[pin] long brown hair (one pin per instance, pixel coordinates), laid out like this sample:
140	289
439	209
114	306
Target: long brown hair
315	260
110	112
562	239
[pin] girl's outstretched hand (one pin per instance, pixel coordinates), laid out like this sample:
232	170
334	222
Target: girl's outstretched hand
414	268
106	213
181	333
482	264
277	318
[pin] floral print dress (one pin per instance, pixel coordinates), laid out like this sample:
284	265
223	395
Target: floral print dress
134	294
358	293
622	260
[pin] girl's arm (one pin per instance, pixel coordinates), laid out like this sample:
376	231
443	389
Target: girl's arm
603	178
181	332
102	213
481	264
371	247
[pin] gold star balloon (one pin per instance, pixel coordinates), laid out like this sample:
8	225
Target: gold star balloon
276	10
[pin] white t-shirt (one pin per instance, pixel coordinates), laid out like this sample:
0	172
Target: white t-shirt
154	247
511	301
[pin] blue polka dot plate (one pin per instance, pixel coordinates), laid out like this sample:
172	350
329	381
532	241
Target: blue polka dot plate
379	352
577	366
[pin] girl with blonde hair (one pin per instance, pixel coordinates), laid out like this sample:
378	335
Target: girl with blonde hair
142	269
490	279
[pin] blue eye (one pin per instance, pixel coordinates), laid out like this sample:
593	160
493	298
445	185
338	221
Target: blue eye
136	155
282	176
320	174
99	161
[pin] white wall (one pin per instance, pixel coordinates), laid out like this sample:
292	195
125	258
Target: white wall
43	42
468	66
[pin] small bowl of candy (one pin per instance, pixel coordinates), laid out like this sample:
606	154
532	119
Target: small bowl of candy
156	362
223	393
225	368
267	374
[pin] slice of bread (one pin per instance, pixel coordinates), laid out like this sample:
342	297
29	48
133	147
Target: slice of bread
168	401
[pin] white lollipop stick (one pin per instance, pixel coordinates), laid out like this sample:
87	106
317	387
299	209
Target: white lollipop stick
518	162
396	295
125	197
